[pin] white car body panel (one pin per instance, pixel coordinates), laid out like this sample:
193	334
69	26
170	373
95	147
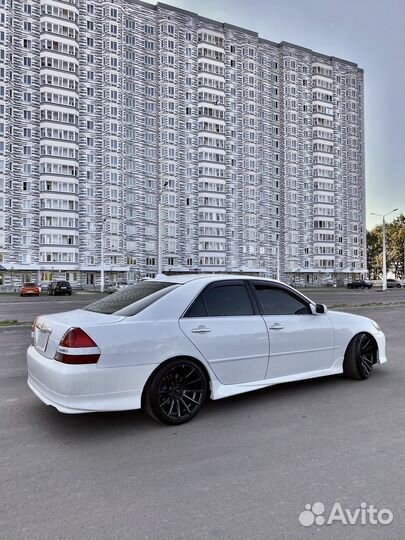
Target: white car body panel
133	347
293	349
85	388
232	360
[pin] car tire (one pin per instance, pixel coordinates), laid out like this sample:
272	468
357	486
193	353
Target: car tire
398	286
176	392
360	357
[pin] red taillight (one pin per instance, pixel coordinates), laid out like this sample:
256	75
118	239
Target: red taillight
72	348
76	338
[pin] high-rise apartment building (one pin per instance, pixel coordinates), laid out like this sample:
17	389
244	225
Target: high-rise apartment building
113	112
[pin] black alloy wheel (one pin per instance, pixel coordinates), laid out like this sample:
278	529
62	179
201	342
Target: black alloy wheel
177	392
360	357
367	355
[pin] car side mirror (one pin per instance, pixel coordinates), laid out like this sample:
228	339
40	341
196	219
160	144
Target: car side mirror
318	309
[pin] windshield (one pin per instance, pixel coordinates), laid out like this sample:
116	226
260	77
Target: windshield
132	299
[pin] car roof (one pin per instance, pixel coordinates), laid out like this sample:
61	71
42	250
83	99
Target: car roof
185	278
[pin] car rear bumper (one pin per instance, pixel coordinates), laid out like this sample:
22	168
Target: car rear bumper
77	389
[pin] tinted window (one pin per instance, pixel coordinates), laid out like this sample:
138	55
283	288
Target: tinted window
197	308
131	300
227	300
29	285
276	301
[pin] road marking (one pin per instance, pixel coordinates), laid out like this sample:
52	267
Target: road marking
31	303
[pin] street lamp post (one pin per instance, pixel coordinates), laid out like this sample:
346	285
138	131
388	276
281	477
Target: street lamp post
159	250
403	273
278	258
102	256
384	283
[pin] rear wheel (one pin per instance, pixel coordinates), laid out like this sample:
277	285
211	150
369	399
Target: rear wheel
176	392
360	357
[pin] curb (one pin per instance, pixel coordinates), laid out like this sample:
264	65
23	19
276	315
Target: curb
14	327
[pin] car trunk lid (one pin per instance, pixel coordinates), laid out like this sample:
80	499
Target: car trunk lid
48	330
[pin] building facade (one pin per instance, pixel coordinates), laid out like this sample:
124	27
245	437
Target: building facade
113	113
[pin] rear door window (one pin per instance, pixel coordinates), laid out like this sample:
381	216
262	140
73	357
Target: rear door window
225	300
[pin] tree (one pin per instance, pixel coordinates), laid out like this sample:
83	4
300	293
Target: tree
395	249
374	252
396	245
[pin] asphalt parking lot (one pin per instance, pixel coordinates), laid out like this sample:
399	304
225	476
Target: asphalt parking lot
243	469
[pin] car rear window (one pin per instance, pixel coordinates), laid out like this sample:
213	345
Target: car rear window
29	285
132	299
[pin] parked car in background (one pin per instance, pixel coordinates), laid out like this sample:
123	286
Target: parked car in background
29	289
360	284
59	287
392	283
117	286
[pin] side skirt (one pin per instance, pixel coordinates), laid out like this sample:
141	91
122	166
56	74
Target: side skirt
219	391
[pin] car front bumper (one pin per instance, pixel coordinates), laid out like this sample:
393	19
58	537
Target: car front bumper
380	339
77	389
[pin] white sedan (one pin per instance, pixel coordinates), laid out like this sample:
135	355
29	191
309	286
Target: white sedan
165	344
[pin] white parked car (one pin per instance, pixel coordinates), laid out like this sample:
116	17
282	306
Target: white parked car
117	286
166	344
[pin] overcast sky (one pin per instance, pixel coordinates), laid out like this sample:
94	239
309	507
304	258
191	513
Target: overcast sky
368	32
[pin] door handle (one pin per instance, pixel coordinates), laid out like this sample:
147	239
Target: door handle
201	330
276	326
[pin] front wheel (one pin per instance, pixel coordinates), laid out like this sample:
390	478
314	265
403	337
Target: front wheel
360	357
176	392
